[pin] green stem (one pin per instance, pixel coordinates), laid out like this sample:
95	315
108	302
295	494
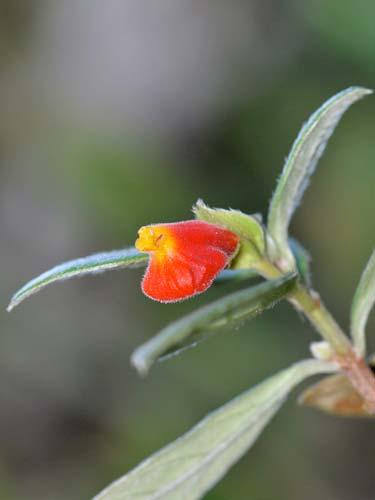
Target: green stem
309	303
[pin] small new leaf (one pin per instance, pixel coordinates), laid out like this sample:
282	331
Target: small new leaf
363	302
301	162
303	260
247	227
233	308
195	462
99	262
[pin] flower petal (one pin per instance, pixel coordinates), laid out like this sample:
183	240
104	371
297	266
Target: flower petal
186	260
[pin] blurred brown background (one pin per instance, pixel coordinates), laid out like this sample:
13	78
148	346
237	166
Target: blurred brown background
117	114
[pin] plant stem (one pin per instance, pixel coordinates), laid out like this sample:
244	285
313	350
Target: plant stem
354	366
309	303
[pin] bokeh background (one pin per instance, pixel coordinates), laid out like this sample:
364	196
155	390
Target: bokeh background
117	114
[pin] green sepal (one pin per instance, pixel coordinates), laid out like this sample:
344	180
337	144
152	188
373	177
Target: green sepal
247	227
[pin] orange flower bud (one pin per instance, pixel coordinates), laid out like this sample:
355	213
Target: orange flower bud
185	257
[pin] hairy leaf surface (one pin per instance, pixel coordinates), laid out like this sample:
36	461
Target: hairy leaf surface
301	162
99	262
363	302
195	462
226	311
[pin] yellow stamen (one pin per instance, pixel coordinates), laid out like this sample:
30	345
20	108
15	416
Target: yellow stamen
153	238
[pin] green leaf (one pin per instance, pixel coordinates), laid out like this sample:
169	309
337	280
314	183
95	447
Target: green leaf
247	227
233	308
194	463
363	302
303	260
116	259
229	275
301	162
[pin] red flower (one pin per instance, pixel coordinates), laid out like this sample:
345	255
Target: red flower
185	257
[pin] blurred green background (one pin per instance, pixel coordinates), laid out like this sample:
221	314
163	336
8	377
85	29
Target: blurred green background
117	114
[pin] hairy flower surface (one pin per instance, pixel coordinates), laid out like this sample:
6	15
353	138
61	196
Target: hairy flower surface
185	257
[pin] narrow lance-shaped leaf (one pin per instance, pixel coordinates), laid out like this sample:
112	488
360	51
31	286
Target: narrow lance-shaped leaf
194	463
363	302
301	162
99	262
229	275
232	308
